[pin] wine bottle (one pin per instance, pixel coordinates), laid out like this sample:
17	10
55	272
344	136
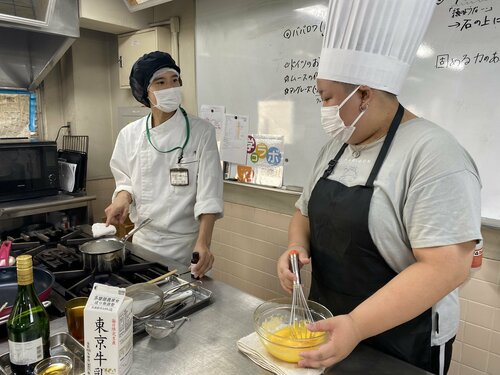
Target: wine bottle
28	324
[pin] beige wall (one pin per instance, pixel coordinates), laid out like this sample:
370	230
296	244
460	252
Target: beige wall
83	88
248	241
102	189
112	16
78	90
185	10
92	97
58	98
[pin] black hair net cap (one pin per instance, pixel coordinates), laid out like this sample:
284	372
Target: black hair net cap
144	68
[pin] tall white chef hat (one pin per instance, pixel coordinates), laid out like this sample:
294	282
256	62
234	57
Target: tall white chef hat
373	42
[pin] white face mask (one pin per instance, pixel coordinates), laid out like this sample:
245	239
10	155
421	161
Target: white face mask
168	100
334	125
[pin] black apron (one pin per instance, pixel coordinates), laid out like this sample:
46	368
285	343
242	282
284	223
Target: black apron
347	267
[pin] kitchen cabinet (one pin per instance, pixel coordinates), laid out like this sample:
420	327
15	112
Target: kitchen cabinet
131	46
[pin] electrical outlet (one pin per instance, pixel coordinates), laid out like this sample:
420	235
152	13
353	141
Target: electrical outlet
68	129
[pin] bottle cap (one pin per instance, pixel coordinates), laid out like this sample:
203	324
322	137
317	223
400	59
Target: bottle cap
24	270
24	261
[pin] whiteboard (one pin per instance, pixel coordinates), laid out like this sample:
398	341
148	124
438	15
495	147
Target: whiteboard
454	82
245	53
247	50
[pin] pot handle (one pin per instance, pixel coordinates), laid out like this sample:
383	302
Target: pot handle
142	224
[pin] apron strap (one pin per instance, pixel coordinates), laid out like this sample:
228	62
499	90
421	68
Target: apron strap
332	163
387	143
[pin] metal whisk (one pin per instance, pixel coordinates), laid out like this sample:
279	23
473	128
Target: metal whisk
300	315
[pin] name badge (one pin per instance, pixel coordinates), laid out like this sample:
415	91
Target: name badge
179	177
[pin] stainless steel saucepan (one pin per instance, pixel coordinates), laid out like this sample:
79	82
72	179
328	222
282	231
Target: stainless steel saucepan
107	254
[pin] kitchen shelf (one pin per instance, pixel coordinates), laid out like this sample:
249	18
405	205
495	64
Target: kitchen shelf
59	202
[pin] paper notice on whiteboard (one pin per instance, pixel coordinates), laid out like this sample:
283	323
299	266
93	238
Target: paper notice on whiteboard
233	147
67	174
214	114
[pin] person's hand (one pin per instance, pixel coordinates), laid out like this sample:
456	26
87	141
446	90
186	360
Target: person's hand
344	337
205	263
285	274
117	212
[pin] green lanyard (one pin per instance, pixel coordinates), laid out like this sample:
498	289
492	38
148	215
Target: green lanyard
175	148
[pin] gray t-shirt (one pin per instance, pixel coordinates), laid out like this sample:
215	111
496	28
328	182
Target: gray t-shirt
427	194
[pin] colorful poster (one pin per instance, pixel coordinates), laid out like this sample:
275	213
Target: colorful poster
264	164
265	151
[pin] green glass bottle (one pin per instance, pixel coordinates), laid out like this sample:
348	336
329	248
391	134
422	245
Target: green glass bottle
28	325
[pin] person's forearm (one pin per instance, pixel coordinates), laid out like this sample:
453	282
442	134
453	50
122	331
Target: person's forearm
125	195
207	222
410	293
299	232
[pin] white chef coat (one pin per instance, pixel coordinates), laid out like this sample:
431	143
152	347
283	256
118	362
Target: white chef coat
145	173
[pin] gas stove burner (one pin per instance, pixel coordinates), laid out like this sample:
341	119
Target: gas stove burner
21	244
60	258
56	250
32	236
45	235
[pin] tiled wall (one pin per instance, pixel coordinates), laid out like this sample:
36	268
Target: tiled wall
477	349
246	244
248	241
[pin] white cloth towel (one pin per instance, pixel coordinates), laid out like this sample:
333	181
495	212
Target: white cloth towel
253	348
100	229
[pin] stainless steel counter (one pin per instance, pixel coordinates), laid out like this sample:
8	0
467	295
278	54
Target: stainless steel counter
207	343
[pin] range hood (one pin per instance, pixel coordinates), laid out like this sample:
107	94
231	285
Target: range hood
34	35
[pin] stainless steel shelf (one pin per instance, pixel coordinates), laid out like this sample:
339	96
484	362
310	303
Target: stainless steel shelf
27	207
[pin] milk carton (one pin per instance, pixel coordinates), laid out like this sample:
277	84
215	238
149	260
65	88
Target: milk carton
108	322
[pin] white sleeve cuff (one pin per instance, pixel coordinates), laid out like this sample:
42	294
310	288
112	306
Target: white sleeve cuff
132	208
209	206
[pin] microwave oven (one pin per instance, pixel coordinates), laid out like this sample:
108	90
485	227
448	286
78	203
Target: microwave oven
28	169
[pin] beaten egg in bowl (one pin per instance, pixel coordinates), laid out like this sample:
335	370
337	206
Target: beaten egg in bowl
285	341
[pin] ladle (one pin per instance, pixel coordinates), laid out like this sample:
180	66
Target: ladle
161	328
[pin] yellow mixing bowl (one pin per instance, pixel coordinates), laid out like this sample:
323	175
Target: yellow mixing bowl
272	324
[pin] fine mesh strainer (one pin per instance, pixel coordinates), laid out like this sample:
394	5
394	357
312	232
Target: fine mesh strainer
147	298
